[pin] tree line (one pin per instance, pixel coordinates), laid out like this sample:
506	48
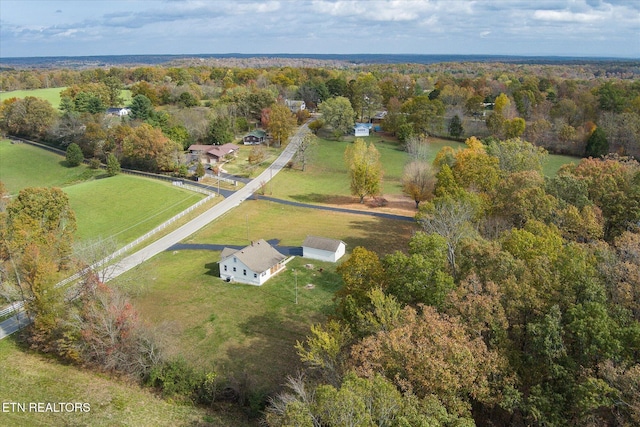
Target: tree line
587	109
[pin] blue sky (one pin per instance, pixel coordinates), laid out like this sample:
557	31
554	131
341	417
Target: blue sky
486	27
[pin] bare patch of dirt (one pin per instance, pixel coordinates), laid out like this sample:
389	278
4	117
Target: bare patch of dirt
393	204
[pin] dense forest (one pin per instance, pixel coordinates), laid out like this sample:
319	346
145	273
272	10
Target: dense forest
516	304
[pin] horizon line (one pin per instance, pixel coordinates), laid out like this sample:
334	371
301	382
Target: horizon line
304	55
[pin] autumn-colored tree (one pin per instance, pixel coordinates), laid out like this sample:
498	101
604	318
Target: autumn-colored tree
360	273
418	181
281	123
517	155
365	95
41	217
474	168
81	94
112	335
365	169
323	350
148	148
145	89
338	113
521	196
316	125
431	354
614	186
30	116
425	115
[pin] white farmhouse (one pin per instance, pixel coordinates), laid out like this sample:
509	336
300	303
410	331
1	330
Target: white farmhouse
323	249
253	265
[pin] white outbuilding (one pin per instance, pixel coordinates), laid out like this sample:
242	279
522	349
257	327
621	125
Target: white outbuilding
323	249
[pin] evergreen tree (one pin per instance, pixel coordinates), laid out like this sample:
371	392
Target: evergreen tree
597	144
455	127
113	165
74	155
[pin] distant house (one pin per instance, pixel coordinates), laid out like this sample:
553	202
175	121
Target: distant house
294	105
253	265
323	249
211	154
255	137
362	129
120	112
379	117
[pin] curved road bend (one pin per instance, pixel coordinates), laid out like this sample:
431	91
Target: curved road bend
12	324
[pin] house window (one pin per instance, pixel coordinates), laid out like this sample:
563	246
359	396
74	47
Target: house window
234	260
234	269
225	268
255	275
244	272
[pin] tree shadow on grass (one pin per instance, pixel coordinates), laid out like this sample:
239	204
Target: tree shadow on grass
330	199
267	354
383	237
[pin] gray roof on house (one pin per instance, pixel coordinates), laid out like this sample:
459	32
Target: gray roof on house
258	256
215	150
258	133
322	243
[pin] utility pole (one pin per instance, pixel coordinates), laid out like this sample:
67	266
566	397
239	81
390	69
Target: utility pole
295	273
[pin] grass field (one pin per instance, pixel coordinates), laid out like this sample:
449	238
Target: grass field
27	378
125	207
242	330
326	179
23	165
52	95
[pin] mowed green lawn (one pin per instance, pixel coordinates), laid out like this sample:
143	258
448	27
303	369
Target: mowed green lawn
243	330
53	95
125	207
23	165
30	378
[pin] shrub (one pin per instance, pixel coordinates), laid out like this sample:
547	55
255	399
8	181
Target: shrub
74	155
94	163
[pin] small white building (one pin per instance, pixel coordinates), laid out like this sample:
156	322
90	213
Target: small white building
323	249
253	265
362	129
295	105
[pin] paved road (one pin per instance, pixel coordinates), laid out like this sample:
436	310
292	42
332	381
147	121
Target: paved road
11	325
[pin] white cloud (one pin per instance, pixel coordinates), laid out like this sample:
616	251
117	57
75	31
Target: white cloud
566	16
555	27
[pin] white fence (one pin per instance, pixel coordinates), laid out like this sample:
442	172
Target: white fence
16	306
